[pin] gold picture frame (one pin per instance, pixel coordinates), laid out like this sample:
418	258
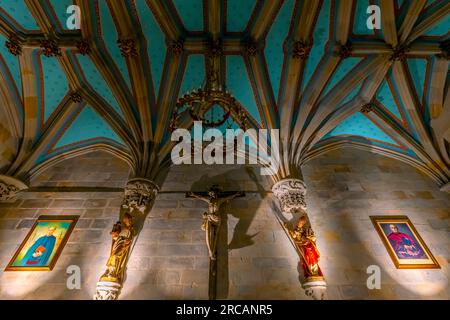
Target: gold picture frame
403	243
42	246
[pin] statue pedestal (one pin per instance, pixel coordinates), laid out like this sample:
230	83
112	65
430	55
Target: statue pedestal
315	289
107	290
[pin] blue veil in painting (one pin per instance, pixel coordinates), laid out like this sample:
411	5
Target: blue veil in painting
40	252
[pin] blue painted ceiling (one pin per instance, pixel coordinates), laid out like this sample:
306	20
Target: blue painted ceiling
90	126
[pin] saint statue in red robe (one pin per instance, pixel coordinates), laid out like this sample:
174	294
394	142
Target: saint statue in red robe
305	240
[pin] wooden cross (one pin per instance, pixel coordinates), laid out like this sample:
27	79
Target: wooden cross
214	197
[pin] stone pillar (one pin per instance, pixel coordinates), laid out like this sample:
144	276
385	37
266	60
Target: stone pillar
138	198
10	187
291	195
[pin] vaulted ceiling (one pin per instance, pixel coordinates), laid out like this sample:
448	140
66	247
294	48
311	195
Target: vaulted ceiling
311	68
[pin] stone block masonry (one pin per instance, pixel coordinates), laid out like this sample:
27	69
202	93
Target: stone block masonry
256	260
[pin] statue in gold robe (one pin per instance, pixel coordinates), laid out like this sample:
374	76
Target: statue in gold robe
122	238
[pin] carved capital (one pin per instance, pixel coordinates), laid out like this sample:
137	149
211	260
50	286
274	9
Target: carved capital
345	50
251	48
446	188
127	48
10	187
291	194
301	50
139	193
177	47
445	50
315	289
367	108
215	49
14	46
76	97
399	53
50	48
107	290
83	47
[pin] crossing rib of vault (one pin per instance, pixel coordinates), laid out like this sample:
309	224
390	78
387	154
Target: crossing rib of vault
309	68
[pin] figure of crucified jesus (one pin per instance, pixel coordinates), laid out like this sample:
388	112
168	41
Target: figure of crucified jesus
211	218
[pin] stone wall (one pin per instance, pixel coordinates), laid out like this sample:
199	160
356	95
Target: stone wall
95	169
256	260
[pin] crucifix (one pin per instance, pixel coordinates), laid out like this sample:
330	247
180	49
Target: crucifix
214	197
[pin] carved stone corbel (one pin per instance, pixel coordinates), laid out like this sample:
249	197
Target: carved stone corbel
291	194
446	188
139	193
10	187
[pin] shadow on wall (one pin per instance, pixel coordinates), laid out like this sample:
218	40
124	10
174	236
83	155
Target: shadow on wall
346	188
240	237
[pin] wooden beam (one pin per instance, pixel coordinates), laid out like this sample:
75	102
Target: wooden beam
428	22
138	67
30	107
366	95
405	90
174	68
33	40
265	18
66	111
109	71
11	103
388	25
259	77
414	9
292	75
38	11
165	19
114	120
328	104
398	132
214	18
311	95
437	87
343	19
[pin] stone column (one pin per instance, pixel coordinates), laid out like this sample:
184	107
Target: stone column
138	199
291	195
10	187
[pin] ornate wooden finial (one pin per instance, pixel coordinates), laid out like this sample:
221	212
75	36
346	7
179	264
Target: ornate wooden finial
215	49
76	97
399	53
50	48
301	50
367	108
127	47
345	50
83	47
445	50
251	48
13	45
177	47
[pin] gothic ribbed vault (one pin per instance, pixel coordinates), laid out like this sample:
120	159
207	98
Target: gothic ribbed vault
311	68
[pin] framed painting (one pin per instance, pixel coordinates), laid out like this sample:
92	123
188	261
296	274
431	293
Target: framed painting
403	243
42	246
